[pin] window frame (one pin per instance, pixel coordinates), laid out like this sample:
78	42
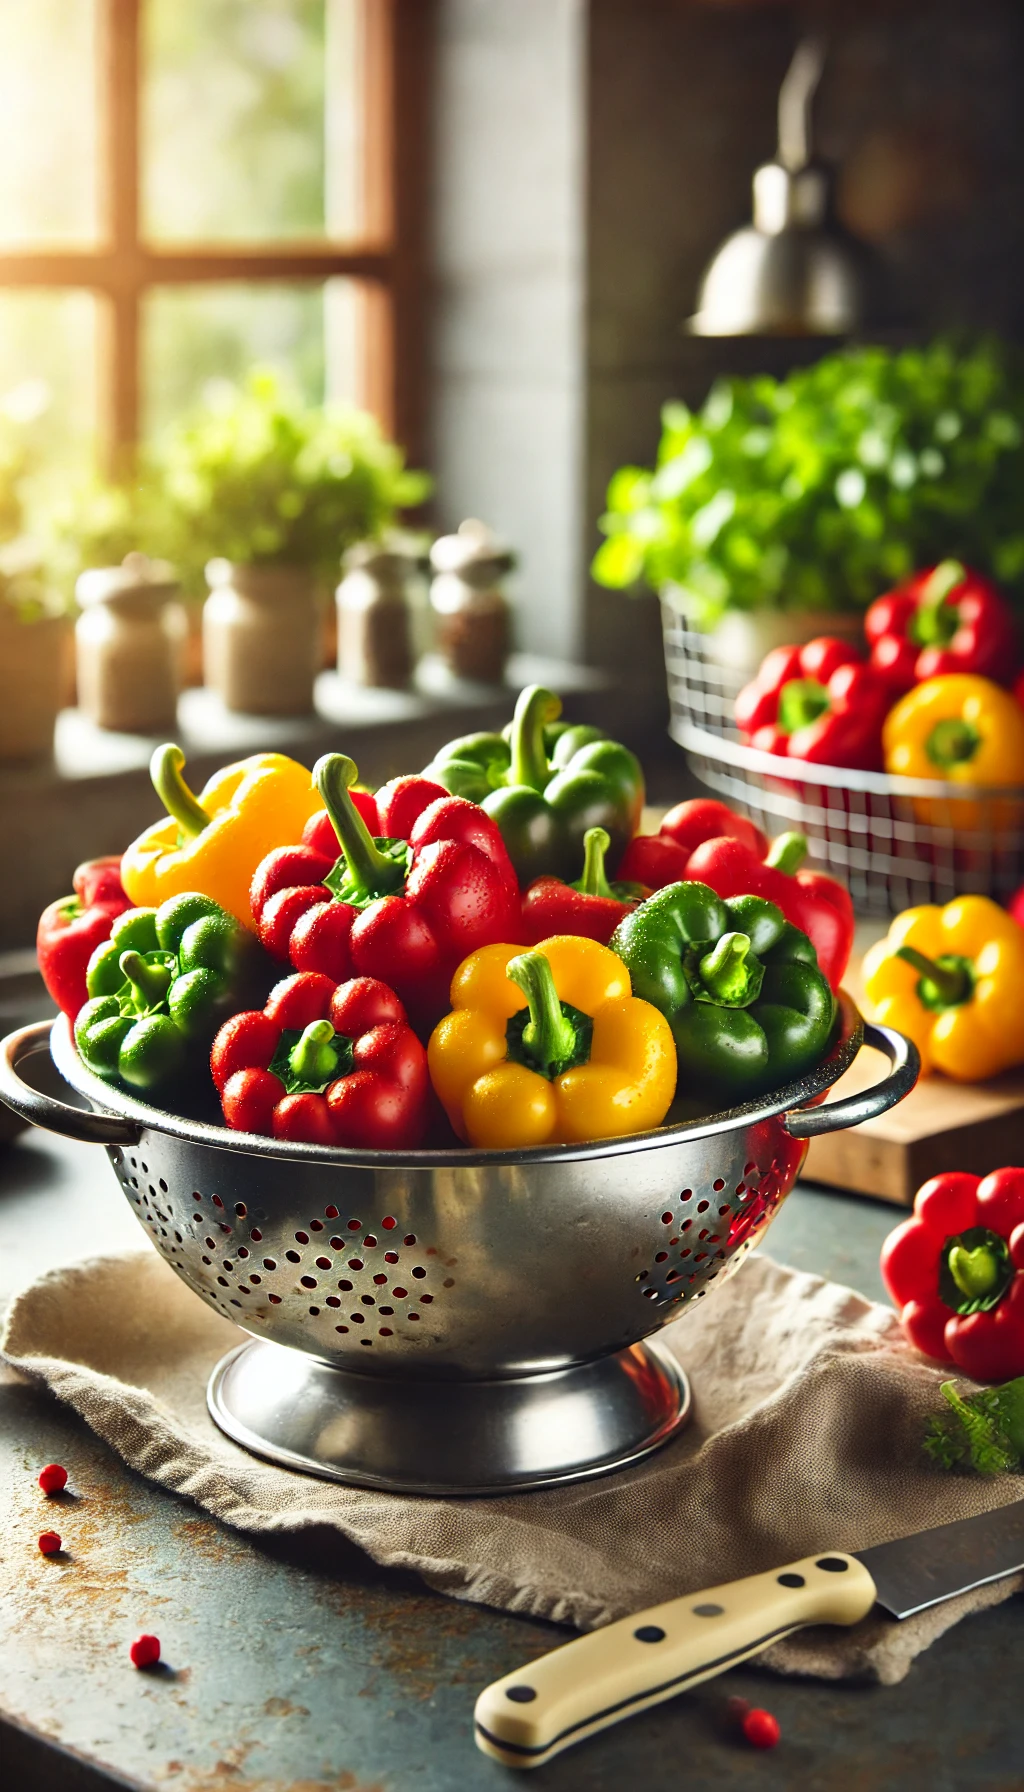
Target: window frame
387	259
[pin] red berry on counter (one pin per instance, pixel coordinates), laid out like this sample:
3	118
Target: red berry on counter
53	1478
49	1543
145	1651
761	1729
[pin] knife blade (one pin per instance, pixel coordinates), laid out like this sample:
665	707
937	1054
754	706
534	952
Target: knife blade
585	1686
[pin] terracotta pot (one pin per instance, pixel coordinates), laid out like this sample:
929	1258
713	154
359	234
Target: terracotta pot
32	664
261	638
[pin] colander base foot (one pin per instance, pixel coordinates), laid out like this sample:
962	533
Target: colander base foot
449	1437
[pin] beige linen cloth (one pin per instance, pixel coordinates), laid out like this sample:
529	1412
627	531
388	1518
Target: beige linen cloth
808	1416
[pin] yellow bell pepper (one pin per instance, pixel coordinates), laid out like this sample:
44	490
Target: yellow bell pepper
952	980
965	729
215	843
550	1046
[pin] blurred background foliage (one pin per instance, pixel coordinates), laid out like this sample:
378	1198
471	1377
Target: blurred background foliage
827	487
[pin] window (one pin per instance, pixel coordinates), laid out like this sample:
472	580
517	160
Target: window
188	186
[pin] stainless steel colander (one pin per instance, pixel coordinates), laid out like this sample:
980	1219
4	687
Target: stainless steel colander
450	1321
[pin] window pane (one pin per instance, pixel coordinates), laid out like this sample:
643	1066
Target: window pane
48	353
48	125
239	143
195	335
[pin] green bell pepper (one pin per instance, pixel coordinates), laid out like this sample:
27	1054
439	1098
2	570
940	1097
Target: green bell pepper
544	783
737	983
161	986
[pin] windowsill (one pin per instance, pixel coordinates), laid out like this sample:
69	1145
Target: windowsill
94	795
205	728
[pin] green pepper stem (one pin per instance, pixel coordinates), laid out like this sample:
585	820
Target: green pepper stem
724	971
934	624
974	1272
787	853
534	708
549	1036
953	741
150	982
594	881
312	1057
801	702
952	986
370	868
165	771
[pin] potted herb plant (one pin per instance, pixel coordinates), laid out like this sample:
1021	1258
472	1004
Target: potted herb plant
781	508
34	624
264	494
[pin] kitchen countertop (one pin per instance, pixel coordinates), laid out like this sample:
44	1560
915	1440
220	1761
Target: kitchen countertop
299	1665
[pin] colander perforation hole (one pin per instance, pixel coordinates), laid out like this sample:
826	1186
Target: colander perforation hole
256	1235
270	1262
302	1237
217	1202
293	1257
316	1225
391	1256
388	1223
400	1293
355	1225
345	1285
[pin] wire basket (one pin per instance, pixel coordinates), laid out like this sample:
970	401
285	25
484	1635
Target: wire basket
895	841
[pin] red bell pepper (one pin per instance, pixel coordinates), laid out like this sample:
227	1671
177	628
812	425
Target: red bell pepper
661	858
820	703
591	907
811	900
1016	905
406	906
945	619
330	1064
71	928
956	1272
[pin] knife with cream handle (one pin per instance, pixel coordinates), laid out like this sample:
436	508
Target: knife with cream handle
534	1713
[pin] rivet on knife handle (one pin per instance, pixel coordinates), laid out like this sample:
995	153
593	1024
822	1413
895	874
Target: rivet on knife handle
591	1683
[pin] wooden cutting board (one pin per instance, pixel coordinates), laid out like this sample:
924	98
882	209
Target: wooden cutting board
940	1126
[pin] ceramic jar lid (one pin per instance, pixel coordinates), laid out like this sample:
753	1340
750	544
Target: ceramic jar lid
137	576
474	553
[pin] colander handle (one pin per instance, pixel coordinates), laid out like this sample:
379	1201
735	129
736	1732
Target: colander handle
45	1110
833	1116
